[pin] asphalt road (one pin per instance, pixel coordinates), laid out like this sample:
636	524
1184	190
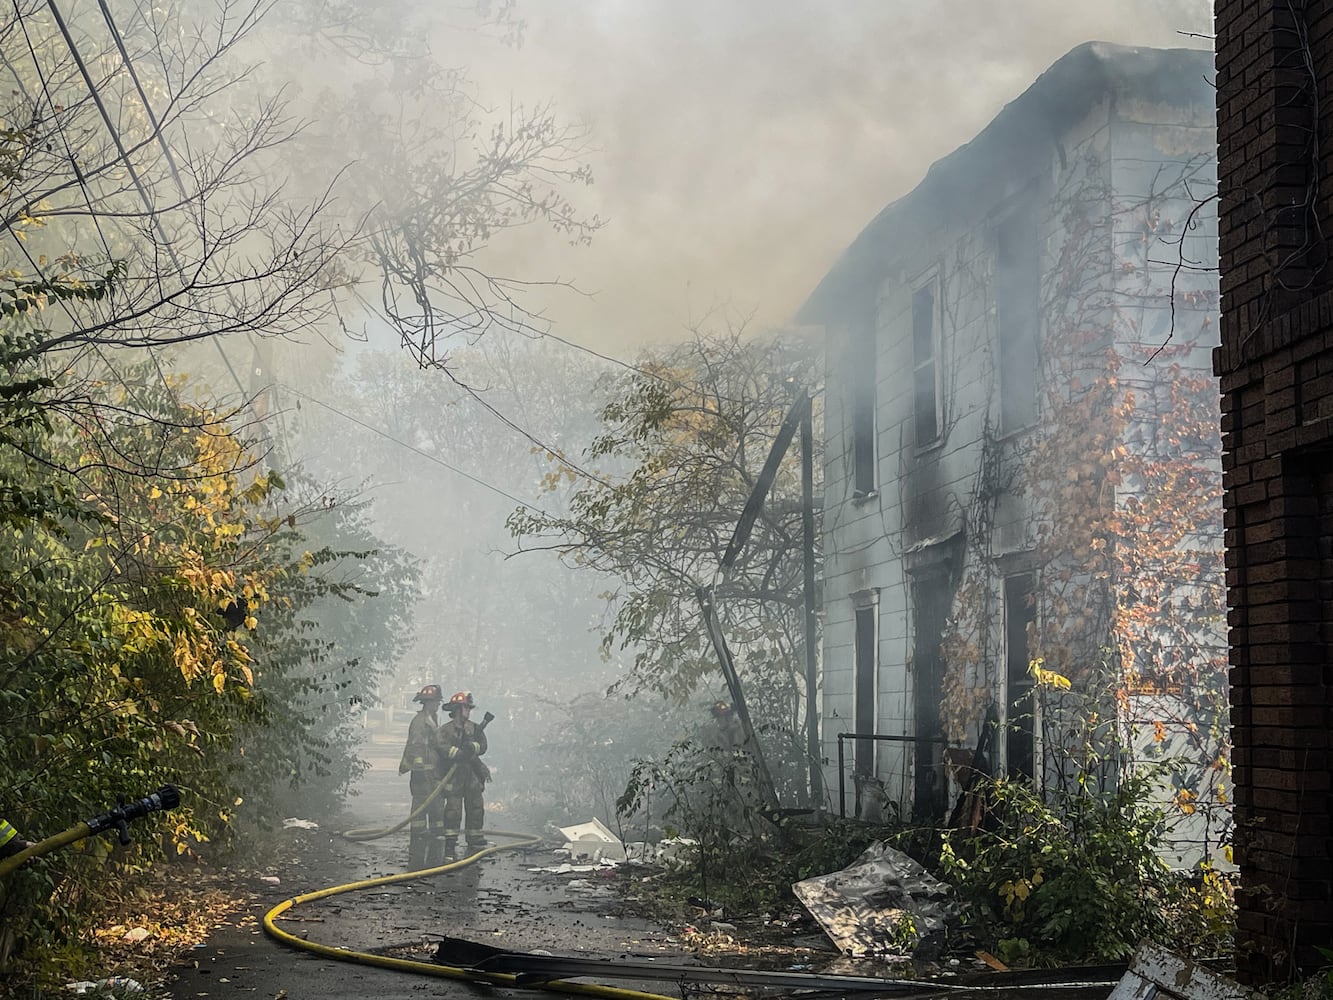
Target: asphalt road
497	901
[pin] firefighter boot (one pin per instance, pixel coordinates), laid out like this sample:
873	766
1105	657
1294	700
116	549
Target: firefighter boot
476	840
416	854
450	849
435	852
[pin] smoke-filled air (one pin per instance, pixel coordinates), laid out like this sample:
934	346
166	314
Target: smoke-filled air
717	442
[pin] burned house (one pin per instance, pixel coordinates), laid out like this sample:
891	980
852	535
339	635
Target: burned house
1022	481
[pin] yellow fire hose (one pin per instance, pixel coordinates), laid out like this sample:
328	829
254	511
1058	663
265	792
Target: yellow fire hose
363	834
430	968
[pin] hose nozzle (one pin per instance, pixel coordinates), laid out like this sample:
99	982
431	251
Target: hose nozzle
166	797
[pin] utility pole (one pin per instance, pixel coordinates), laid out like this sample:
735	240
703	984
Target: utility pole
808	588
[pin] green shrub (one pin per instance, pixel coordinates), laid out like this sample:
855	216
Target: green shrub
1079	878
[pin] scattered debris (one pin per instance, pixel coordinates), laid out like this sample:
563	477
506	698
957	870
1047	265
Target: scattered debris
136	934
883	903
299	824
1155	972
566	868
116	984
593	840
270	879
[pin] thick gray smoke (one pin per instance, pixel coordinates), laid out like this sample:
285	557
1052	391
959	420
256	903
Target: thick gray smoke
745	143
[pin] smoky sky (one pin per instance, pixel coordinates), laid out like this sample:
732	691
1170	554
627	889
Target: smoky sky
742	144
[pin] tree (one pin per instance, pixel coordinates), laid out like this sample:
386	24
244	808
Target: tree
431	177
685	436
128	173
156	628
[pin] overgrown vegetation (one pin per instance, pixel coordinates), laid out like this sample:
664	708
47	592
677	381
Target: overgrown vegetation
1078	877
157	596
1073	877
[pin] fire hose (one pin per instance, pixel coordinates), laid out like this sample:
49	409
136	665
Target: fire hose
118	819
466	974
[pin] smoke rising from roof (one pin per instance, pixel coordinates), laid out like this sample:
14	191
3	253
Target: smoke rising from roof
743	145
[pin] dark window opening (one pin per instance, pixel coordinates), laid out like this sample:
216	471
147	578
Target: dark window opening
931	597
1020	736
1017	319
861	380
864	706
925	367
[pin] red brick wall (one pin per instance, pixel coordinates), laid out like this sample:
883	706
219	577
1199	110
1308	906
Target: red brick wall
1275	151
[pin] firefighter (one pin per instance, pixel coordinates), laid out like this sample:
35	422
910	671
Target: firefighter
729	733
425	833
10	841
461	742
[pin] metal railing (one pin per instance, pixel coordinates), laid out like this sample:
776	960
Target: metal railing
878	737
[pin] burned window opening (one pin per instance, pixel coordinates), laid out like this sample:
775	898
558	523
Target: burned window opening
932	597
925	366
1020	731
866	668
861	382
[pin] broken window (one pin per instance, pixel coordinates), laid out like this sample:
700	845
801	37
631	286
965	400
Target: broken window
925	366
1021	731
1017	318
861	380
931	597
867	666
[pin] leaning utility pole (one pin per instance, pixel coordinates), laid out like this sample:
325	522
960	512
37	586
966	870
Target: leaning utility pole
808	588
800	416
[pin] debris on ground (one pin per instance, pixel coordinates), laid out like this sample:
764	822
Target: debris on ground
1156	972
883	904
593	840
120	985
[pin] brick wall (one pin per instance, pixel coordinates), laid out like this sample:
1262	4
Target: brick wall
1275	122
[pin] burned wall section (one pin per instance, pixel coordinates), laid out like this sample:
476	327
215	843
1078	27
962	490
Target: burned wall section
1275	363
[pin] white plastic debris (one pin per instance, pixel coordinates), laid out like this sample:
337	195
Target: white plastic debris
270	879
136	934
292	823
593	840
119	984
566	868
675	848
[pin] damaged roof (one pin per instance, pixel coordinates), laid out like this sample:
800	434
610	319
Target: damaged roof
1015	146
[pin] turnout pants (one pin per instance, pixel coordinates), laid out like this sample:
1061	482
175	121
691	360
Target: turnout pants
464	800
426	831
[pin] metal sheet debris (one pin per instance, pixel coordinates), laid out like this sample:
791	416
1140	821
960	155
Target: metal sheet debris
883	903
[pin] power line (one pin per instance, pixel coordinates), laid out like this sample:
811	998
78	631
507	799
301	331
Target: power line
417	451
524	432
124	154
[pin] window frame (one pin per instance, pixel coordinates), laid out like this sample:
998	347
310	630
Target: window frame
862	366
865	607
928	281
1021	212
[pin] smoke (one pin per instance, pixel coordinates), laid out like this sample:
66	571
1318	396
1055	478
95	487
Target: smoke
743	145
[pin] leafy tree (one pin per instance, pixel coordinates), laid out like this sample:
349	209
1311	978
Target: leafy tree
156	627
684	438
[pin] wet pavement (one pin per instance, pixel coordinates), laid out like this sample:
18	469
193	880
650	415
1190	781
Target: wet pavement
496	901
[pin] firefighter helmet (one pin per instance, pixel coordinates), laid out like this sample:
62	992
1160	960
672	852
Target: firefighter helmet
431	692
463	699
